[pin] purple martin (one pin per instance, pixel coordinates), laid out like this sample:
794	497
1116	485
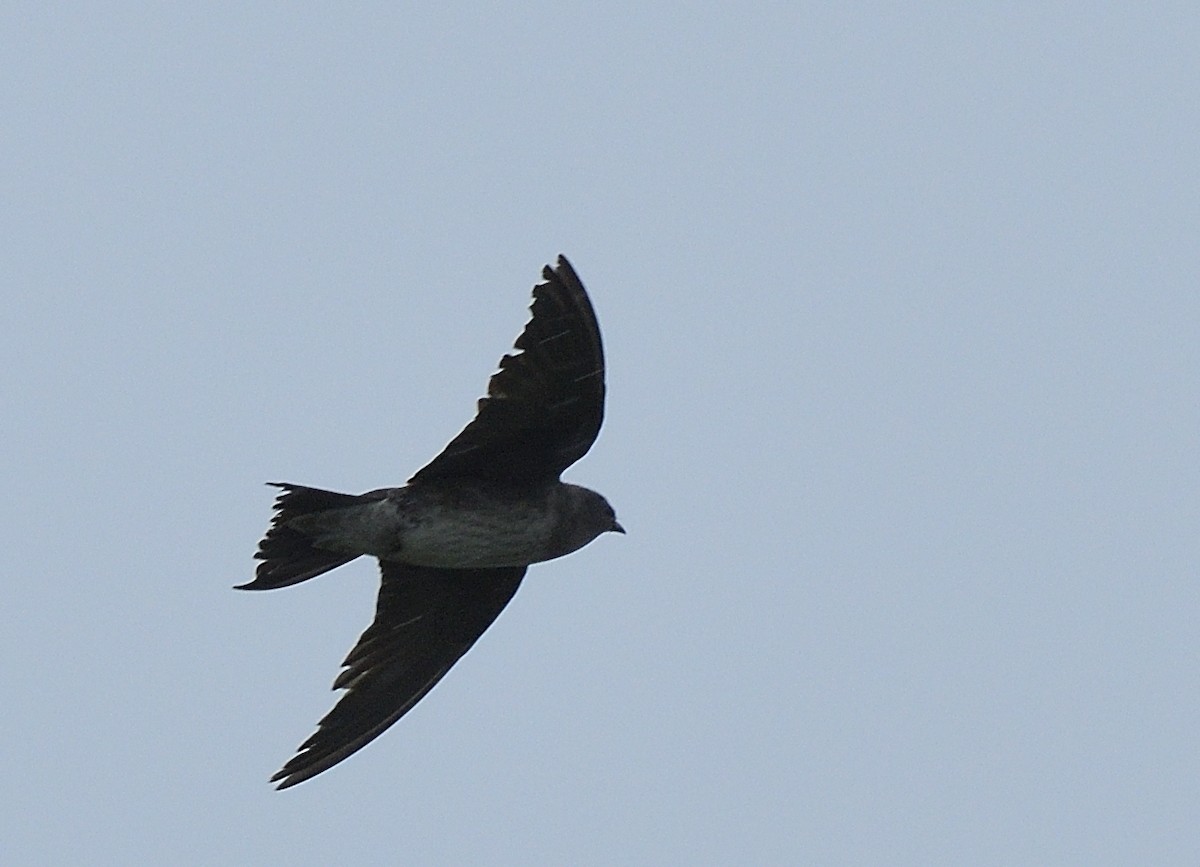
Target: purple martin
454	542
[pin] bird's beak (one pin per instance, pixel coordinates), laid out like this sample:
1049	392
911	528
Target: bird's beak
617	528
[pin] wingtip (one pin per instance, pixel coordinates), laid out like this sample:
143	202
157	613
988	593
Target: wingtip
262	582
562	267
286	783
287	777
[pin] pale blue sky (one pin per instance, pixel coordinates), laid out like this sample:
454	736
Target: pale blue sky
901	309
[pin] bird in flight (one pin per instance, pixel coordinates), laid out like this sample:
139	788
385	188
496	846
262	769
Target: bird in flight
454	542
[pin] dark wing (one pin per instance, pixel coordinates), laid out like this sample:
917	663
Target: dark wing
425	620
545	404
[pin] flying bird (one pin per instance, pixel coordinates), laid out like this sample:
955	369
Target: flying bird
454	542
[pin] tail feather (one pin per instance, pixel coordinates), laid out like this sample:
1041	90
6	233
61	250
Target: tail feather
288	554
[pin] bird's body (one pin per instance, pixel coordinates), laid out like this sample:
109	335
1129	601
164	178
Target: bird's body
461	524
454	543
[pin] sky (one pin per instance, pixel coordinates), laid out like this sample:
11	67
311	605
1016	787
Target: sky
901	315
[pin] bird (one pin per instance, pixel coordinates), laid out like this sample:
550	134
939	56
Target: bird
455	541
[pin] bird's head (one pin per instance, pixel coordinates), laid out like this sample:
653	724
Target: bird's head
583	515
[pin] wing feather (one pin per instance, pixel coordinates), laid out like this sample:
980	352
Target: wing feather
425	620
544	406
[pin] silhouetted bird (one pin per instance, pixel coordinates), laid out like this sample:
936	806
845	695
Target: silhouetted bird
453	544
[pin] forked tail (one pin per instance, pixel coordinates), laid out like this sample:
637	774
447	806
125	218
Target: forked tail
288	555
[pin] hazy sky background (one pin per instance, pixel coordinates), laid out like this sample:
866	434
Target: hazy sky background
901	308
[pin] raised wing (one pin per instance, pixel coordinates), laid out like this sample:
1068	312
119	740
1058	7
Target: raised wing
544	406
425	620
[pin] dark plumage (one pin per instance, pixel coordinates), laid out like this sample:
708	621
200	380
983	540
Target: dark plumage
454	543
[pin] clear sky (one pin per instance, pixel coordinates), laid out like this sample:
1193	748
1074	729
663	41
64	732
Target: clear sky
901	306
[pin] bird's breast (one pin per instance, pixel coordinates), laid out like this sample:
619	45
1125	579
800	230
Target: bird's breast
471	532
